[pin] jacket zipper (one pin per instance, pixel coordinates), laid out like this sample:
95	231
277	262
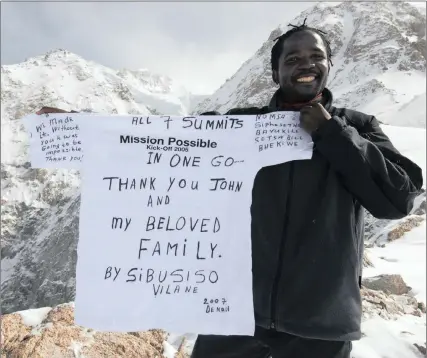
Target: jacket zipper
281	249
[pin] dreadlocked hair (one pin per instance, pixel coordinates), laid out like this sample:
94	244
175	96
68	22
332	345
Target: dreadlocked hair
277	48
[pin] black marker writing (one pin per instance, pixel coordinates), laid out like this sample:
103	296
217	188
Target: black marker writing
118	222
108	273
167	120
65	128
160	288
161	200
139	274
220	160
132	184
182	183
166	223
141	120
185	161
223	184
55	121
212	124
154	158
40	127
169	249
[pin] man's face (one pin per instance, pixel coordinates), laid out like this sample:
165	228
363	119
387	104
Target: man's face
303	67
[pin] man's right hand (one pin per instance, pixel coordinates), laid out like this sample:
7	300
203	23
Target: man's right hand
45	110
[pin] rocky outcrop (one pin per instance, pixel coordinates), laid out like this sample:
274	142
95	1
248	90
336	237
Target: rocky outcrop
421	349
404	226
381	231
388	306
390	284
51	333
366	260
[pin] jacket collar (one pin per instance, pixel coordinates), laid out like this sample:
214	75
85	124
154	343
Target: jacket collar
327	99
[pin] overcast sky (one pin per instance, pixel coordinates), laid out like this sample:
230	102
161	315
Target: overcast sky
198	44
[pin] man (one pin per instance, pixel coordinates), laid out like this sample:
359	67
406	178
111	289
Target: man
307	216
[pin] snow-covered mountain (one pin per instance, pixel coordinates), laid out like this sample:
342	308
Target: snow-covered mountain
67	80
379	62
379	68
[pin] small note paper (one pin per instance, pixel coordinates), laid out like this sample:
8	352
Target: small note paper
54	141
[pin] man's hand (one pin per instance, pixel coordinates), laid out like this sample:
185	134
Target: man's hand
312	117
45	110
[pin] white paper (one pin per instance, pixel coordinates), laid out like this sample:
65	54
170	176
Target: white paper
279	138
54	140
125	247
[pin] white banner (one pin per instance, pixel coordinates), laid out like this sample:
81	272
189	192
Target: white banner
165	237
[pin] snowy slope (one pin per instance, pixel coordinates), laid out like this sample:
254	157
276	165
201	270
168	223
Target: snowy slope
411	142
66	80
405	256
396	338
379	62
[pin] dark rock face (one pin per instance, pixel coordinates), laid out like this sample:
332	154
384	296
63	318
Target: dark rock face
390	284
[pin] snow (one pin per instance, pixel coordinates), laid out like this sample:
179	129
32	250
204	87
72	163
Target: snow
412	111
174	341
407	257
34	317
168	350
391	339
411	142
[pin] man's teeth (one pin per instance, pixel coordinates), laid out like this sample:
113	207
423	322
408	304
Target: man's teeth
306	79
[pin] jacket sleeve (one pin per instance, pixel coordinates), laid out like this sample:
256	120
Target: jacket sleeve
371	168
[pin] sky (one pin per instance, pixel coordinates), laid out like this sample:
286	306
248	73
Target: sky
198	44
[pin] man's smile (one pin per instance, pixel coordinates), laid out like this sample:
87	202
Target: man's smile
306	79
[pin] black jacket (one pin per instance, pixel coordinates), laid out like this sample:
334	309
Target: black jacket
307	224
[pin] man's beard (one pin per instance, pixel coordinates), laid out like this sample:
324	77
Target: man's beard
291	95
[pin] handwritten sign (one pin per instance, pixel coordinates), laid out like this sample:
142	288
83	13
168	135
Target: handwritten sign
279	138
54	141
164	236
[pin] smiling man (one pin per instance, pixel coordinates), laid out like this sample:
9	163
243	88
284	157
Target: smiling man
307	216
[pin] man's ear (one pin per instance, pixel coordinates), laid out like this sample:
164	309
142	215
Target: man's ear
275	76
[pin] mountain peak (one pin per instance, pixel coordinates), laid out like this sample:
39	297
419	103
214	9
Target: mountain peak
55	54
379	56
